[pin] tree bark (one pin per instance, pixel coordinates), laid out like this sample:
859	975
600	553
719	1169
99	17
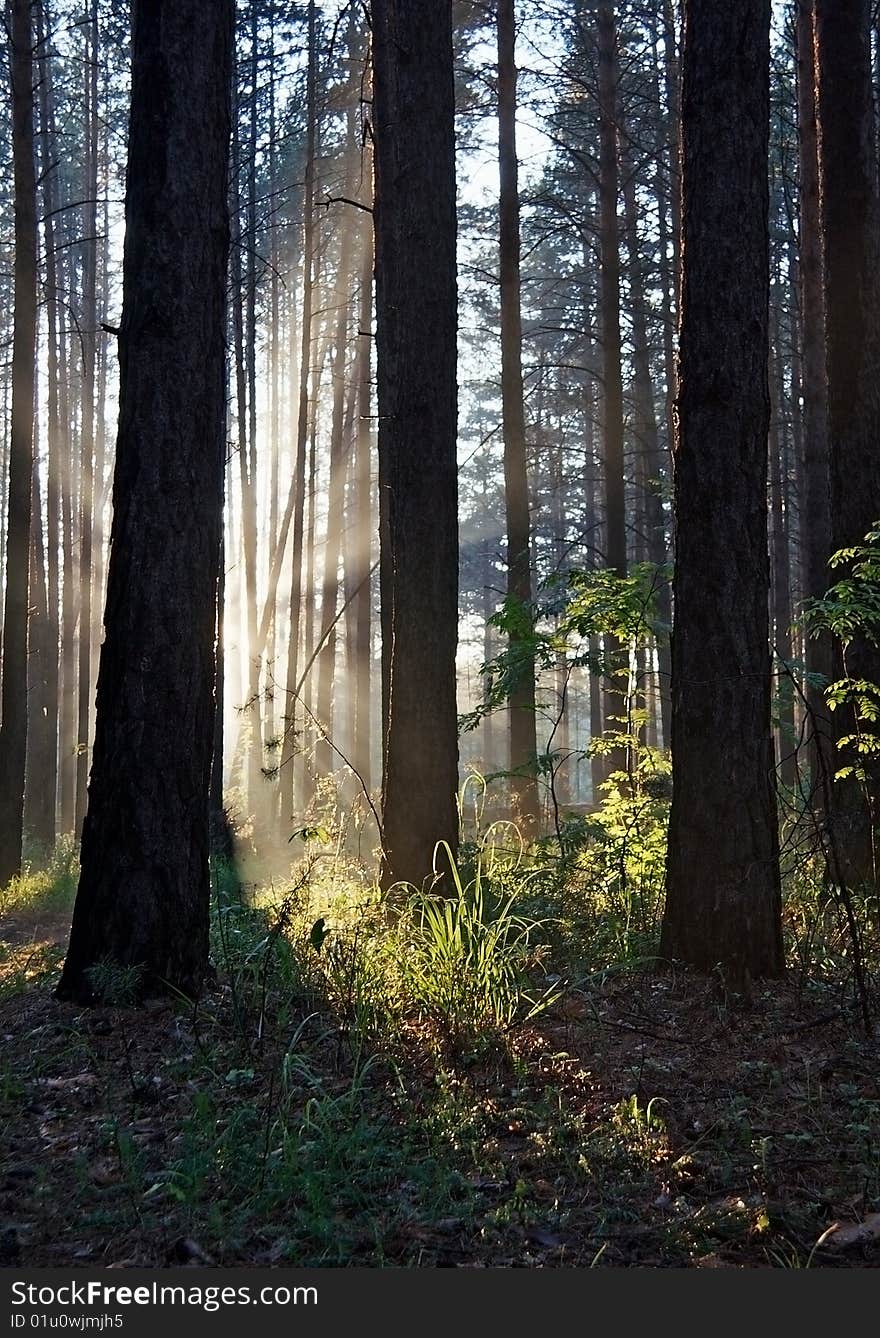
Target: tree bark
522	724
250	740
780	572
144	888
848	203
289	748
363	526
13	730
723	888
614	705
324	754
88	334
816	526
54	432
647	433
39	794
416	306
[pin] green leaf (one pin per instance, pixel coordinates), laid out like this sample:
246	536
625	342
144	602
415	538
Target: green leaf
311	834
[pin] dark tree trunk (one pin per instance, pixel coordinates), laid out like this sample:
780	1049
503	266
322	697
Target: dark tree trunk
289	749
256	780
816	512
39	794
307	775
780	571
415	223
647	433
324	753
848	202
723	889
144	888
88	334
363	528
250	734
275	340
523	744
13	730
53	424
54	228
614	706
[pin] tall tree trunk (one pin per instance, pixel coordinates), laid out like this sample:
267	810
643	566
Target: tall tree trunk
256	780
144	888
220	830
275	344
102	481
522	724
306	760
252	717
67	754
672	83
13	729
780	582
54	431
363	528
848	201
648	437
816	524
416	306
289	750
39	796
723	888
609	240
324	754
88	334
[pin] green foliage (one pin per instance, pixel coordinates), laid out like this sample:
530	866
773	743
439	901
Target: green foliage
851	607
572	609
601	876
849	610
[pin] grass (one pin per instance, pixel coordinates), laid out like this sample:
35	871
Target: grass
46	889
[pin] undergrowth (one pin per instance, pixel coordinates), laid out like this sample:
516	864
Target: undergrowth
489	1074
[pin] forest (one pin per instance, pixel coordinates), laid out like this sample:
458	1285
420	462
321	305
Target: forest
440	601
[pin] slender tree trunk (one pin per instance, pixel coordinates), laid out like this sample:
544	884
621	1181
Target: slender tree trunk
615	493
307	775
848	201
672	81
648	438
324	755
13	730
275	340
256	779
144	888
780	582
252	742
522	724
54	431
88	334
102	479
363	528
289	749
416	307
220	831
39	796
67	758
723	888
816	526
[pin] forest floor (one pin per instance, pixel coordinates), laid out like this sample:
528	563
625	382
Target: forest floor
643	1120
